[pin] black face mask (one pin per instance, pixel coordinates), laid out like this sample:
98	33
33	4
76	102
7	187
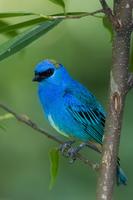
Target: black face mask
39	76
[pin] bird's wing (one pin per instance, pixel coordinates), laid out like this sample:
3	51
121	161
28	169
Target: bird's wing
88	112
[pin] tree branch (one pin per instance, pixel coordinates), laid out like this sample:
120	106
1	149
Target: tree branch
109	13
26	120
106	8
119	84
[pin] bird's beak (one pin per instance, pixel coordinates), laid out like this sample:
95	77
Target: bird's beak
36	78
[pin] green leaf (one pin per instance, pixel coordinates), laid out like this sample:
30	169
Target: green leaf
1	127
4	25
6	116
108	26
25	38
60	3
54	165
20	25
14	14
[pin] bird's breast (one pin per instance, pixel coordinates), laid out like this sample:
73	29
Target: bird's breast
55	126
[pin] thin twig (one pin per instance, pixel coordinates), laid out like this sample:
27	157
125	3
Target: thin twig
107	10
26	120
72	15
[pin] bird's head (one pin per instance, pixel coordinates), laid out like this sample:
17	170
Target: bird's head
45	70
50	71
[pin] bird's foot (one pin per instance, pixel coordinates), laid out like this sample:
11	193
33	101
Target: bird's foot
65	147
73	151
69	151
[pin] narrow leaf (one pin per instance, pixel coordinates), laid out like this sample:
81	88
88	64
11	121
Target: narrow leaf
20	25
4	25
54	165
6	116
108	26
14	14
60	3
25	38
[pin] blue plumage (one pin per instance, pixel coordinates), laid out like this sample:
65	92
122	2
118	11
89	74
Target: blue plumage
70	108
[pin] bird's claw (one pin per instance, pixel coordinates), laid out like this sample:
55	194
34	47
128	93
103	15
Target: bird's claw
72	153
69	151
65	147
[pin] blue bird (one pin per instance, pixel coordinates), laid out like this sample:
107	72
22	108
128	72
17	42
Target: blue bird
69	107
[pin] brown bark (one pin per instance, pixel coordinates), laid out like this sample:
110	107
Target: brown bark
119	85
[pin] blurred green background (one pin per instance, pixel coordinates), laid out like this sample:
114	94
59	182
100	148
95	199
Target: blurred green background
84	47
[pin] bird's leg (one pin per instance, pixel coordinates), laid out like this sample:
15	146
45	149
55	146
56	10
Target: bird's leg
65	147
72	152
69	151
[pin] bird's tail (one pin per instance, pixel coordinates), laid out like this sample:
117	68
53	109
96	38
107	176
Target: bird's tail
121	177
